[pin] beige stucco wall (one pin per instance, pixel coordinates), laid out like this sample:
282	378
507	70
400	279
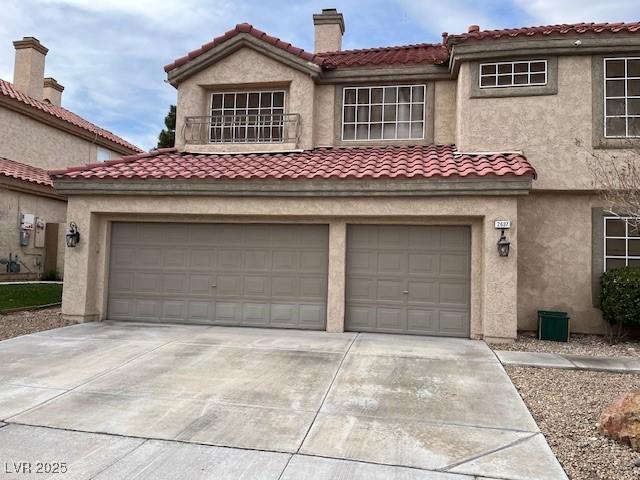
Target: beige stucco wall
494	279
26	140
544	127
554	260
323	125
12	204
247	69
444	111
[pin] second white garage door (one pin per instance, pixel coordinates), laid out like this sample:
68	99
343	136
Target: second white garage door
266	275
408	279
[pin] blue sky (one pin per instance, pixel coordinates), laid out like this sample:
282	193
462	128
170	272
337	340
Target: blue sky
109	54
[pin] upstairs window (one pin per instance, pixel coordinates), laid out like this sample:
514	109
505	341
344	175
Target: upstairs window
621	244
247	117
622	97
383	113
102	154
525	73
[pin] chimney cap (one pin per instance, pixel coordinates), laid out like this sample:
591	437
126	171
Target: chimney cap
51	82
30	42
329	16
473	28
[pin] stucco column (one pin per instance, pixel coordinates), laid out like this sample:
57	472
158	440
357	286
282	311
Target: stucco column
500	275
337	280
78	303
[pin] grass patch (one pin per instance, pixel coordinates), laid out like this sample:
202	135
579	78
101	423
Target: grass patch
29	295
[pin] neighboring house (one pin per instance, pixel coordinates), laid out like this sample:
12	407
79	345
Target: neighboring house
36	134
359	189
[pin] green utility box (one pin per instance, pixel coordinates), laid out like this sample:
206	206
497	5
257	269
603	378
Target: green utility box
553	326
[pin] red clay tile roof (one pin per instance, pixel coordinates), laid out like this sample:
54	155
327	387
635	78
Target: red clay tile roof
416	162
7	89
407	54
547	30
21	171
251	30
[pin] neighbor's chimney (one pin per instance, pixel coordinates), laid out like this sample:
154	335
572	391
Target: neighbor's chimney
52	91
329	27
28	72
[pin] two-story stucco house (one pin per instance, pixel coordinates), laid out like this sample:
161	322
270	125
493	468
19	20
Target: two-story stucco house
359	190
37	134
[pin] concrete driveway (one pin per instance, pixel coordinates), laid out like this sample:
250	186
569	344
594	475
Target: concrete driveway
122	400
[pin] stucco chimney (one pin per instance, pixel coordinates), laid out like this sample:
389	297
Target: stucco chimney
473	28
52	91
28	71
329	27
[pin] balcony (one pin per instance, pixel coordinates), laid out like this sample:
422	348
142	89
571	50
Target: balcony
242	132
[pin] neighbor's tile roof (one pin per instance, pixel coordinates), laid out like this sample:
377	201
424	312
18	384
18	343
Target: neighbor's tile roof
424	161
8	90
408	54
21	171
547	30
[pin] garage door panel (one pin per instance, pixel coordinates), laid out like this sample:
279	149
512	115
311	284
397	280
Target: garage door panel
199	284
220	273
454	323
228	285
285	261
422	321
311	315
392	263
423	263
389	290
422	291
391	319
229	313
284	286
255	314
453	294
362	263
361	318
430	263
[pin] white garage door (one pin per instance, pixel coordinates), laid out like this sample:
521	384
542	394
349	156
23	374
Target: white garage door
267	275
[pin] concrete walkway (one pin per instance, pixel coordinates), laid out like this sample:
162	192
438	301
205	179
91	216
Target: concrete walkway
569	362
155	402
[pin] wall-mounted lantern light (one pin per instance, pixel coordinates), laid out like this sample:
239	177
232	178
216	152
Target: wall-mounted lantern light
73	237
503	245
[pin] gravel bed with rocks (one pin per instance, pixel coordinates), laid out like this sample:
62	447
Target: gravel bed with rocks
594	345
23	323
566	404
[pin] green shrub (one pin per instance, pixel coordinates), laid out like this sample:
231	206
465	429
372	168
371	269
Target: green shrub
620	296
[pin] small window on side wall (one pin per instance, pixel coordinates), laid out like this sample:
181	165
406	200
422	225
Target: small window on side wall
622	97
103	154
621	244
525	73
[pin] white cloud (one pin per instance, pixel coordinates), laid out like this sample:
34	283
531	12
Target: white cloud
573	11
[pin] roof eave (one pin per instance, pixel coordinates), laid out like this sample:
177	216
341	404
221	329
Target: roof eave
217	53
413	187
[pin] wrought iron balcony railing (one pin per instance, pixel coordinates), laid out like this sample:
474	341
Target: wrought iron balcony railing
243	128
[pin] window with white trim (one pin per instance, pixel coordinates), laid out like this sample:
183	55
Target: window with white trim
622	97
102	154
621	244
393	112
247	117
524	73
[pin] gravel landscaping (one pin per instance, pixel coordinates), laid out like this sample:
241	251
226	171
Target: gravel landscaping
566	405
595	345
23	323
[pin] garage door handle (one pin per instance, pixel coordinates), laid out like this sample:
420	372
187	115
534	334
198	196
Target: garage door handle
213	286
405	292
